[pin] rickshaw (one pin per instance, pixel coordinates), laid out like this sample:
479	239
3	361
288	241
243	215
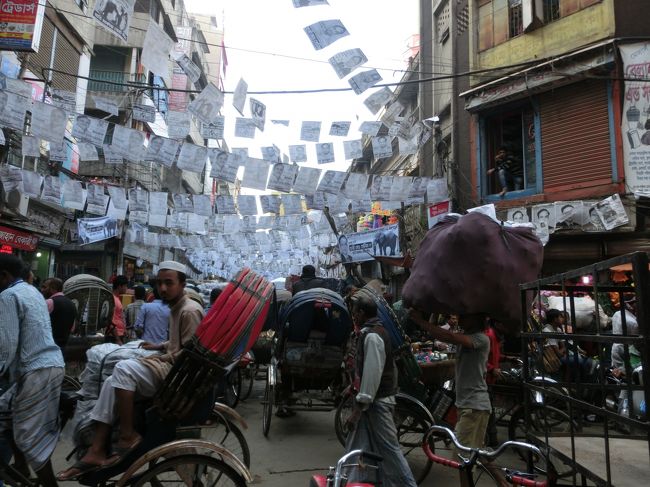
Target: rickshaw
305	372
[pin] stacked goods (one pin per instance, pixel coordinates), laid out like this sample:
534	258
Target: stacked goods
227	332
472	265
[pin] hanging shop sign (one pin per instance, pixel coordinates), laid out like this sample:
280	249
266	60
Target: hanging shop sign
17	239
636	121
364	246
21	22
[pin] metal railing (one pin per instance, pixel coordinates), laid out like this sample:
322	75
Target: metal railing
114	80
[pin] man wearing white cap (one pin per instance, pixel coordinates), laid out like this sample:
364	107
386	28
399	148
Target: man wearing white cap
141	377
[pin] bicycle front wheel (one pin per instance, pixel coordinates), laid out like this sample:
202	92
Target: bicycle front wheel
411	426
191	470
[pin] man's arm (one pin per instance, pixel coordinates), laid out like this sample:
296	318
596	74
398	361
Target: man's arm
9	332
373	367
440	333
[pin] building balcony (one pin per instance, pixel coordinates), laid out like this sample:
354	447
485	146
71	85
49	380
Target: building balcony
114	81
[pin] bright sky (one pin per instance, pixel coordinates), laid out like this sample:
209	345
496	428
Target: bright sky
382	29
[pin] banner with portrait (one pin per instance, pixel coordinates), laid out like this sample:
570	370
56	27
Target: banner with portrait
96	229
365	246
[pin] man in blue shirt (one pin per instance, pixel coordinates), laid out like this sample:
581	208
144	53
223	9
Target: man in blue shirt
152	323
34	367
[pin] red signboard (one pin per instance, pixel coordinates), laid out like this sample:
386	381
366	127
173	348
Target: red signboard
17	239
21	22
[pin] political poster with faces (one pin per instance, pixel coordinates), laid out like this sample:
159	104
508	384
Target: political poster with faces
353	149
87	152
138	199
111	156
224	165
239	96
307	180
129	143
370	128
258	113
407	146
207	104
114	16
59	150
140	217
31	146
178	124
271	153
363	204
282	177
270	203
364	80
332	182
188	67
96	199
380	188
12	110
118	203
310	131
90	129
202	204
612	212
155	51
400	188
378	100
322	34
417	190
106	105
256	173
247	204
225	205
96	229
182	203
325	153
196	223
355	185
437	190
298	153
347	61
382	147
51	192
48	122
340	129
192	157
72	195
245	128
32	182
158	202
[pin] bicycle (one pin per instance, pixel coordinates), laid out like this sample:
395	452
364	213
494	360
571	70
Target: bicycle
469	459
337	477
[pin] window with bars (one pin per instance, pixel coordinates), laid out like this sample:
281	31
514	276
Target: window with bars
551	10
515	18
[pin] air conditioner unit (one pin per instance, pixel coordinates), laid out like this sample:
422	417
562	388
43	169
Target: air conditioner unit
532	14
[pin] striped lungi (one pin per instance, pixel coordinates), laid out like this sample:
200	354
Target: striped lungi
34	405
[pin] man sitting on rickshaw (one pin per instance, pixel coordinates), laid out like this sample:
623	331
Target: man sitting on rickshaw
139	377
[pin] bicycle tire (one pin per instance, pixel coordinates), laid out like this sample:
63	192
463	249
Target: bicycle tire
232	390
248	376
228	434
343	412
152	475
411	427
267	413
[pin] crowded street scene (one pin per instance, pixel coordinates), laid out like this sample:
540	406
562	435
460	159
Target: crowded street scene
326	243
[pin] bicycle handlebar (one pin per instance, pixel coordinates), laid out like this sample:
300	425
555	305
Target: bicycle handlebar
490	455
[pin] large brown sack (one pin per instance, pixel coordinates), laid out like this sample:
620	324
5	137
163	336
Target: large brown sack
472	264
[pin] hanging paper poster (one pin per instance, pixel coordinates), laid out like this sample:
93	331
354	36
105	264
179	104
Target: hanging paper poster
310	131
245	128
73	195
612	212
96	199
178	124
282	177
247	205
347	61
192	158
258	113
90	129
96	229
364	80
353	149
32	183
298	153
382	147
340	129
192	71
378	100
332	182
213	130
437	212
322	34
155	51
12	110
48	122
114	16
256	173
364	246
325	153
239	96
144	113
66	100
207	105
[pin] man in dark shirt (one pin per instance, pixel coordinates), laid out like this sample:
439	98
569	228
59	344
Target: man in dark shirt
308	280
63	311
509	169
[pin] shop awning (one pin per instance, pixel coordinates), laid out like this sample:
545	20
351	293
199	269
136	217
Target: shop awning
524	82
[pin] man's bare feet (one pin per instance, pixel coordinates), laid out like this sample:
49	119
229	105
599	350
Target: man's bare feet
123	447
89	463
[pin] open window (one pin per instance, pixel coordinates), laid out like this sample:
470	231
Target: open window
515	18
513	132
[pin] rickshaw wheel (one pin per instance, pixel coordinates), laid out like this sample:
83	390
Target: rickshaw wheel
411	427
343	412
248	378
267	414
226	433
191	470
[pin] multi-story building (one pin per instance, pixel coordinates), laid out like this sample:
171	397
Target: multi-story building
549	85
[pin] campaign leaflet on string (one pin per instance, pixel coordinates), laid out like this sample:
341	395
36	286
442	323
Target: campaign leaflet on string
207	104
96	200
138	199
143	113
380	188
158	202
307	180
270	203
417	191
310	131
399	190
340	129
87	152
298	153
245	128
182	203
11	178
376	101
106	105
213	130
192	157
111	156
48	122
323	33
224	165
96	229
73	195
308	3
364	246
258	113
32	182
353	149
247	205
364	80
271	153
178	124
282	177
332	182
355	185
256	173
192	71
31	146
202	204
382	147
114	16
129	143
347	61
66	100
292	204
225	205
612	212
325	153
407	146
51	192
12	110
239	96
90	129
155	51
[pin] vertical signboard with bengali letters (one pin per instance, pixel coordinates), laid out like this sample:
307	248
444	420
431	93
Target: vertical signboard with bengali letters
21	22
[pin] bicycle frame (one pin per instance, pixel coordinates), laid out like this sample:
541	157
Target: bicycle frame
336	478
467	465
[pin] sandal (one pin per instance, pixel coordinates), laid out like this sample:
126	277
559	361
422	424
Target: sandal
82	468
121	452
